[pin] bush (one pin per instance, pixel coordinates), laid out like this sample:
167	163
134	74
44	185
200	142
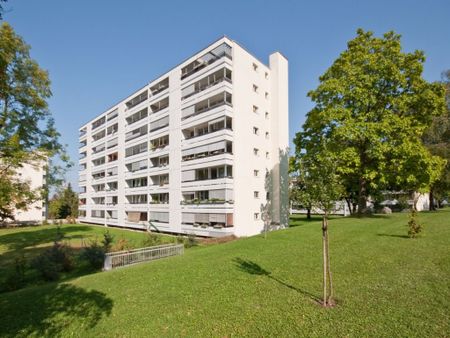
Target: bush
188	241
53	261
121	245
94	255
415	228
16	278
107	241
151	240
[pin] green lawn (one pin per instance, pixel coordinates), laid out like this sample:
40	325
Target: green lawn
30	241
385	284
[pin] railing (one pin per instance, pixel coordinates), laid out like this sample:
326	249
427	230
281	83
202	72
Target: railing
123	258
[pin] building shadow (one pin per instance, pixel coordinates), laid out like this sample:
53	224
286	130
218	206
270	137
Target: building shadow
253	268
48	310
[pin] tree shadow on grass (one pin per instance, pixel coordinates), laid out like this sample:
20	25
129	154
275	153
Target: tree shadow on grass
22	239
47	311
397	236
255	269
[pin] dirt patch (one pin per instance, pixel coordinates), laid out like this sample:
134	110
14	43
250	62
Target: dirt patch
217	240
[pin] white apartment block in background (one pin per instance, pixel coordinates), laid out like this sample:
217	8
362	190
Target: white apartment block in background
200	150
34	174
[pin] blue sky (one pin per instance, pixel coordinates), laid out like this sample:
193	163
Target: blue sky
98	52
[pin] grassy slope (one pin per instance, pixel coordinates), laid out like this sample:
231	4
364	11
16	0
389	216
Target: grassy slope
30	241
385	284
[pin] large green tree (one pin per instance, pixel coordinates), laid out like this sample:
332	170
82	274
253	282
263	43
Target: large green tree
64	204
372	106
437	140
27	132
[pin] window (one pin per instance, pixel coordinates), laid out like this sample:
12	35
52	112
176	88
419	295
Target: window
112	129
266	95
255	88
267	115
255	67
256	216
267	155
256	130
266	75
256	194
267	135
256	173
113	157
255	109
256	151
137	149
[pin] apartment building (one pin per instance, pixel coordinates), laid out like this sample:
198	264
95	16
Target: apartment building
33	173
200	150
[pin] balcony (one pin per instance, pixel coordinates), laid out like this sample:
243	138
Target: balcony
209	81
101	121
159	143
201	107
205	220
209	150
222	123
137	100
224	50
159	87
112	115
160	105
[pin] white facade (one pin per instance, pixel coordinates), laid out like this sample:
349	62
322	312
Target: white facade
34	174
190	151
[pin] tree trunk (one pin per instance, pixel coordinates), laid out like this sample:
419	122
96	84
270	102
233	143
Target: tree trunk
432	207
308	213
325	267
349	204
362	196
330	280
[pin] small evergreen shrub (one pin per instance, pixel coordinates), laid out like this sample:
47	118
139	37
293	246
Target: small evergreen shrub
414	227
54	260
94	255
107	241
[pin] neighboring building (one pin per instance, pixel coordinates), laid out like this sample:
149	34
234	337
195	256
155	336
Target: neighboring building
35	175
189	151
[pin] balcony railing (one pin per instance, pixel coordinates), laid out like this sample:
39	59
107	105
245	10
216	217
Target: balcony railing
224	50
208	104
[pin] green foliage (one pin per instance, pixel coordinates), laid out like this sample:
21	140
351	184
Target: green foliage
414	227
27	131
107	241
151	239
94	254
372	106
317	181
53	261
437	139
16	277
121	245
64	204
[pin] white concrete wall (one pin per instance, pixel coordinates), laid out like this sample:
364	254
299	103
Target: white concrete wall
34	174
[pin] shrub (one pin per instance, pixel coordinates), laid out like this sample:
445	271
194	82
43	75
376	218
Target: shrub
94	255
151	240
189	241
16	278
414	227
121	245
107	241
54	260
